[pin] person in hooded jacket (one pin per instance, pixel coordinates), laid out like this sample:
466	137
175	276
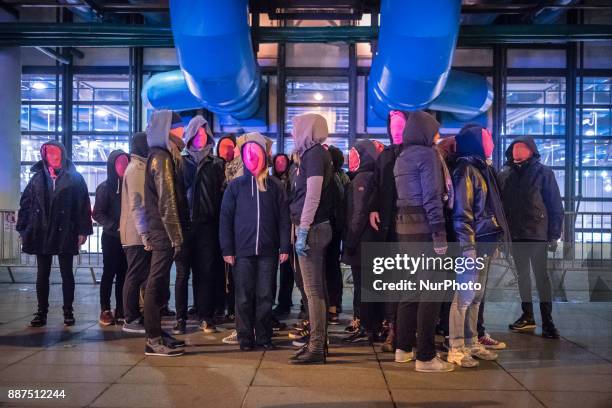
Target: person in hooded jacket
281	165
480	226
311	209
362	158
383	195
420	219
333	273
226	146
54	218
132	227
535	215
204	178
166	211
106	212
254	235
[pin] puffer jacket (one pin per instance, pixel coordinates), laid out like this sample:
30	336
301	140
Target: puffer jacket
133	221
254	222
52	215
357	228
418	171
165	203
478	214
107	208
531	197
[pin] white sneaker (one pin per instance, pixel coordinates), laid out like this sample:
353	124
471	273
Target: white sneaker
435	365
402	356
461	357
231	339
479	351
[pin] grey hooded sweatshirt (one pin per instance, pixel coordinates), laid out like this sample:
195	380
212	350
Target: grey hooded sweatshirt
312	201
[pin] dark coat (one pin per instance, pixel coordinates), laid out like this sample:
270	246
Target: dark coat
531	197
382	193
204	183
418	171
357	228
254	222
107	207
284	177
51	218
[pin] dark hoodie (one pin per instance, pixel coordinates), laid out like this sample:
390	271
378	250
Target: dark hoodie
53	215
357	227
254	222
478	215
282	176
107	208
229	136
531	196
418	172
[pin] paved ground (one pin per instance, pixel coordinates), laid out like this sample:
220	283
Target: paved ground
103	367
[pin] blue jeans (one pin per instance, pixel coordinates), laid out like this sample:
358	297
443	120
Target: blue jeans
254	287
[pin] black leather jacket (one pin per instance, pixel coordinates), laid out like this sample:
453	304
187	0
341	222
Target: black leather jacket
204	184
163	197
474	217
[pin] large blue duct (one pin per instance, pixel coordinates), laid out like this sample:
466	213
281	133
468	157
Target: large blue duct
411	69
218	66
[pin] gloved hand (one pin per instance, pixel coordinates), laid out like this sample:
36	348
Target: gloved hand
552	246
300	242
178	252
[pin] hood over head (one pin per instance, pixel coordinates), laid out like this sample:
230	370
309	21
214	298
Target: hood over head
474	140
255	136
158	129
362	156
420	129
337	157
254	153
64	162
528	140
225	147
280	172
309	129
195	124
112	178
139	146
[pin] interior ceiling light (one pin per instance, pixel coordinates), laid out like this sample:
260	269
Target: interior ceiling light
39	85
318	96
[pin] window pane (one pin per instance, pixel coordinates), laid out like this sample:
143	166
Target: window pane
595	122
596	183
93	175
535	90
524	121
595	152
316	89
337	117
100	118
39	88
30	146
595	91
101	88
25	176
97	147
39	117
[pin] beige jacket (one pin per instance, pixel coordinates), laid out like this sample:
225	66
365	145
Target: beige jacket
133	222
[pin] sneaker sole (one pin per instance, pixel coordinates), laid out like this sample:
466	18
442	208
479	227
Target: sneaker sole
296	344
137	331
293	336
524	329
404	361
434	371
501	346
232	343
105	324
148	353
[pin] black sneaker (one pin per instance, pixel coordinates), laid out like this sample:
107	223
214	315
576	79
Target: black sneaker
192	311
268	346
167	312
333	318
172	342
39	320
277	325
550	332
246	346
281	311
157	347
523	323
180	327
357	337
69	317
353	327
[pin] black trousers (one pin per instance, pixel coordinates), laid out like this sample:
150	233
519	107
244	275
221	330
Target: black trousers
156	292
43	263
333	272
285	286
371	314
139	264
413	318
356	272
533	257
254	277
114	268
299	281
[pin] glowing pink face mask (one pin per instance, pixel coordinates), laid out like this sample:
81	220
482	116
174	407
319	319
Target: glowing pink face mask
397	123
254	158
199	140
53	156
378	145
121	164
280	164
353	160
487	143
226	149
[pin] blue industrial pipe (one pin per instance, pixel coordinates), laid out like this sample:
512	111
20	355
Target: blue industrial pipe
218	66
411	69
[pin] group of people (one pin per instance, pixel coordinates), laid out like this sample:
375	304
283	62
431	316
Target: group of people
246	235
